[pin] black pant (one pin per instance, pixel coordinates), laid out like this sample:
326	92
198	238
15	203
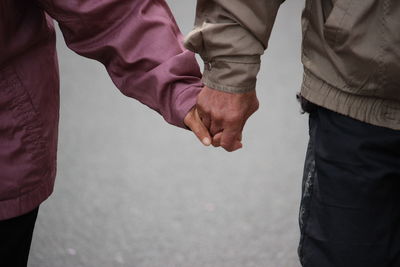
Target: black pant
15	239
350	209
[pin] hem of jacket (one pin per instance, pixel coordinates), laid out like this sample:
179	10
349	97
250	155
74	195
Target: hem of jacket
369	109
25	203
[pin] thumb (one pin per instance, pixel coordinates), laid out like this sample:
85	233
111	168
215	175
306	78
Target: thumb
193	121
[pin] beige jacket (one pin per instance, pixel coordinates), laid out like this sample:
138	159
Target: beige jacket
351	52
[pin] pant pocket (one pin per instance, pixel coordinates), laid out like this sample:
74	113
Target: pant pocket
24	152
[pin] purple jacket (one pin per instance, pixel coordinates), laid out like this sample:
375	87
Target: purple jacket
138	42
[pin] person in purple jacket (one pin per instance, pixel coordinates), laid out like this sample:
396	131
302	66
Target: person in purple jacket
141	47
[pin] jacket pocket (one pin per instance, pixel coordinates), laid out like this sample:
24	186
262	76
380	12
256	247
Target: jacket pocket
353	35
337	24
22	127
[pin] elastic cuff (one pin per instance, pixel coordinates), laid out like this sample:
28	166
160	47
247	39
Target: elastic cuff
185	101
227	88
233	75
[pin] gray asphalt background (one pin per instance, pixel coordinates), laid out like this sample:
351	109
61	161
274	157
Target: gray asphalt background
134	191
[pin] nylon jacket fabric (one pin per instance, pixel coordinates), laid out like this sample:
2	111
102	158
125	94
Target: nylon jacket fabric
351	52
138	42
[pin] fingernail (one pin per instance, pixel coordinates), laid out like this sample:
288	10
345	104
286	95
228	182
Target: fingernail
206	141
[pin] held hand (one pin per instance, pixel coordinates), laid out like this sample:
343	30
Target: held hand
193	121
225	115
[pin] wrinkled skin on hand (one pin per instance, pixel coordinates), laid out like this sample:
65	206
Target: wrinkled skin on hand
225	115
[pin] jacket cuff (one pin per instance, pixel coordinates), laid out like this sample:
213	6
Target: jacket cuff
185	101
232	74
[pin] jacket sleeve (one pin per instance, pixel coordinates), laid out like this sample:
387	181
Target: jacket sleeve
140	45
230	36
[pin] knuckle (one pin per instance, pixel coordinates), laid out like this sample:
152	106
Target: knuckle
227	146
204	110
218	117
256	105
229	149
234	118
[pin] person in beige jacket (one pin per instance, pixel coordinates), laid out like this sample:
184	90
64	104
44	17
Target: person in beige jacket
350	212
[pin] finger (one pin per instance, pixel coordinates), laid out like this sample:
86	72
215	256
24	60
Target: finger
216	126
237	145
216	141
204	116
194	122
201	130
230	140
240	137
